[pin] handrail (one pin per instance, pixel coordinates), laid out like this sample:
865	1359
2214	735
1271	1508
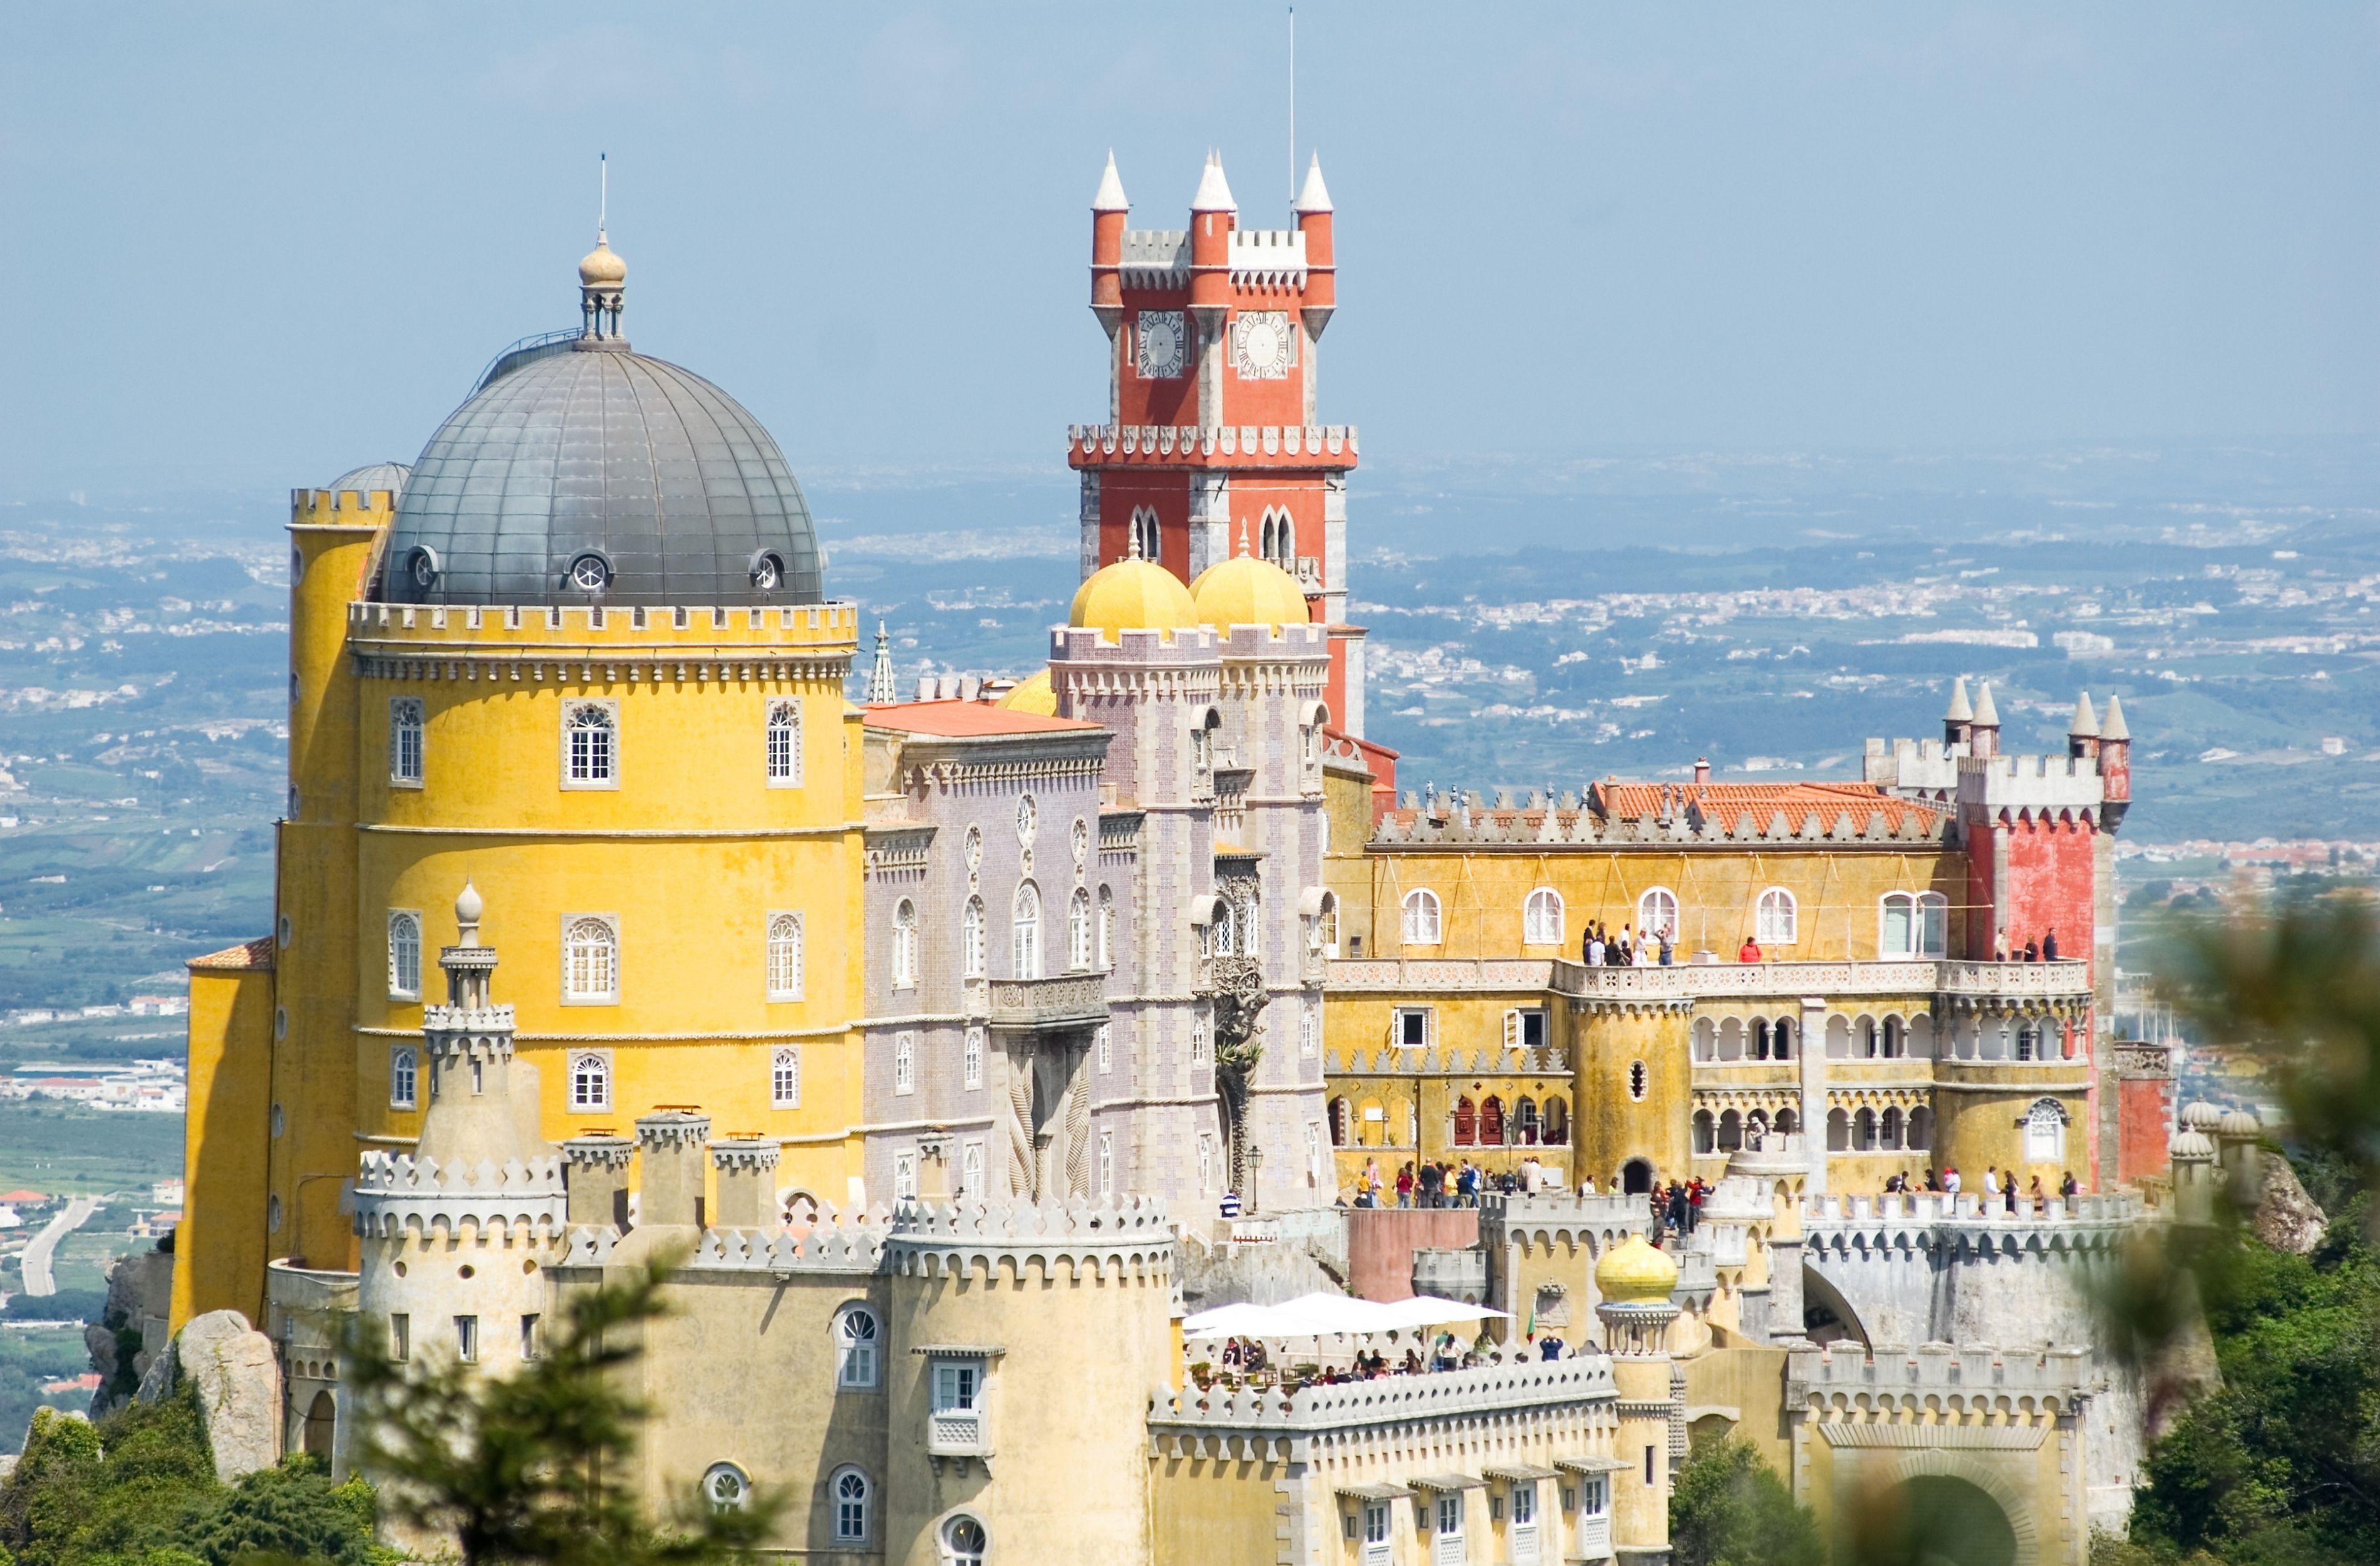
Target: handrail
522	352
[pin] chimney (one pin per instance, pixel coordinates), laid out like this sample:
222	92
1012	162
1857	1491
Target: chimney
747	1170
595	1170
1702	771
671	1141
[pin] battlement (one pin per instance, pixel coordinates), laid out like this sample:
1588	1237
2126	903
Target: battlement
1413	1404
1563	1213
341	508
1304	644
1267	257
400	1194
1460	819
1112	1235
571	631
1198	647
1231	445
1964	1225
467	1023
1392	1060
1155	257
2044	1381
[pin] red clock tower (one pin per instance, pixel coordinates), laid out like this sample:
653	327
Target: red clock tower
1211	438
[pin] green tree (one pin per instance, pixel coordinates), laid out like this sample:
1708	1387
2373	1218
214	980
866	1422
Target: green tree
1728	1508
525	1468
292	1511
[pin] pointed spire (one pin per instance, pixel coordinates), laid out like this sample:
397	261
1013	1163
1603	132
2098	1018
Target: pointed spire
1314	197
469	906
1134	553
2085	724
1214	192
1960	712
881	688
1243	538
1986	715
1110	197
2114	727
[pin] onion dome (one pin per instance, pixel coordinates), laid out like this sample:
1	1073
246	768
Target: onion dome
2200	1115
1033	694
1245	591
1131	595
1636	1273
601	269
371	477
2239	1123
2190	1146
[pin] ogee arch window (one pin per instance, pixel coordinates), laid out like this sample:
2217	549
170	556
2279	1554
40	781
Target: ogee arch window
905	944
1078	931
971	943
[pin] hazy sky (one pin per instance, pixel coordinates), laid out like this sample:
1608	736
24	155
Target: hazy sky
257	244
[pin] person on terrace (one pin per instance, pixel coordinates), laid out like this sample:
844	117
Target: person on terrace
1749	952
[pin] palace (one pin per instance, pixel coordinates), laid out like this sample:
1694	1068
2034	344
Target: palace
963	1044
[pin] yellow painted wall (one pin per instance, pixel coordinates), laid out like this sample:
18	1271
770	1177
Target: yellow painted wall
1752	1383
1205	1509
219	1247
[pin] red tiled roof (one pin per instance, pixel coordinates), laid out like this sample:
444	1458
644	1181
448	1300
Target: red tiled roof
256	954
1730	802
13	1197
967	720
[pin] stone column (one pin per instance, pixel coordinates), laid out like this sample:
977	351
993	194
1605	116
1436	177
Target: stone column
1812	1030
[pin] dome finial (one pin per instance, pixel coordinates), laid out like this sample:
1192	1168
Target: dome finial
603	276
1134	553
469	906
1244	536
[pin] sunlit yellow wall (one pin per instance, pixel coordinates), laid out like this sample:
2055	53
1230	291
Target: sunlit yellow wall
220	1245
1613	1125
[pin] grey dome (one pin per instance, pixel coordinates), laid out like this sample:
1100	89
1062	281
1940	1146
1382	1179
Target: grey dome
372	476
592	454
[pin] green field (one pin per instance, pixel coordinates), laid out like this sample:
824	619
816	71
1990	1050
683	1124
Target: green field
66	1151
29	1356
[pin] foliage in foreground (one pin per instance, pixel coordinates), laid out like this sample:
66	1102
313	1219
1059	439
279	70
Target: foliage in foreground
532	1468
1727	1508
139	1489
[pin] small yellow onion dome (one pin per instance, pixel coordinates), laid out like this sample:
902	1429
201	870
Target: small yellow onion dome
1245	591
1032	696
1131	595
602	267
1636	1273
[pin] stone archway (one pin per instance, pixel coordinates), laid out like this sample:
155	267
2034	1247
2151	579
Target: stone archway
1827	1316
1637	1177
321	1426
1944	1519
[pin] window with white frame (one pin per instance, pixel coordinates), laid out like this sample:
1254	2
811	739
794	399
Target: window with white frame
1421	920
590	960
1541	918
403	955
1309	1032
1207	1163
854	1507
591	745
855	1348
964	1541
1314	1152
1657	913
905	1063
405	741
784	745
725	1487
1777	918
2045	1133
1107	930
590	1081
1198	1039
1412	1026
905	944
1107	1162
1106	1046
971	1170
971	1059
1144	533
1078	931
1024	933
904	1177
785	1078
1913	924
404	1077
785	957
971	944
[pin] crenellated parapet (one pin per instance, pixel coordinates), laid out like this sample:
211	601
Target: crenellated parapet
1966	1224
1268	1423
1963	1381
402	1195
1128	1237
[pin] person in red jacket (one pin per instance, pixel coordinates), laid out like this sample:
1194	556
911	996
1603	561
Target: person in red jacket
1749	952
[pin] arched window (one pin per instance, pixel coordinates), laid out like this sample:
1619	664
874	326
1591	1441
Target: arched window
1144	533
1783	1044
2044	1132
590	960
1730	1040
1888	1130
971	1056
1705	1132
854	1507
963	1542
1787	1122
1894	1045
1421	926
1024	933
404	956
1921	1037
1466	1123
905	1063
1339	1122
1864	1131
1525	1123
1706	1040
725	1487
1492	1122
1078	931
1657	913
855	1348
971	939
1776	921
1921	1127
1541	918
785	1078
1223	931
1106	961
905	944
784	745
1839	1131
590	1081
1912	925
1731	1131
404	1077
785	957
590	746
1839	1038
404	742
1639	1080
1867	1038
1556	1121
2028	1040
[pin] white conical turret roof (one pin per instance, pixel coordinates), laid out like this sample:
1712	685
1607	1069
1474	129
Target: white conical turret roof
1986	715
1315	197
2085	724
2114	727
1960	712
1214	192
1111	197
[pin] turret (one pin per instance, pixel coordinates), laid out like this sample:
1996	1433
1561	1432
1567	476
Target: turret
2192	1154
1984	734
1959	722
2115	761
467	1044
1213	216
1321	275
1635	1281
2237	1136
1108	213
2082	729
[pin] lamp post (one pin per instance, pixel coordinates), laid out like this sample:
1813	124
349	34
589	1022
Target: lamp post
1255	1177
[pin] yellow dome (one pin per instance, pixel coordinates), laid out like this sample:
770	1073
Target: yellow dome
1131	595
1245	591
601	266
1032	696
1636	1273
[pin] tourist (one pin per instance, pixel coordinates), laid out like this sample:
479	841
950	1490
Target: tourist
1433	1183
1466	1184
1642	955
2049	945
1933	1181
1586	1185
1950	1179
1550	1348
1412	1367
1590	946
2069	1186
1669	947
1749	952
2040	1197
1991	1184
2007	1191
2001	945
1231	1203
1405	1183
2031	951
1894	1184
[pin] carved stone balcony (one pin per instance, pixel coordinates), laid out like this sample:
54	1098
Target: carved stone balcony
1075	999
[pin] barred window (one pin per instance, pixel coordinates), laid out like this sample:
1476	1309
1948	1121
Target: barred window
405	741
590	960
404	955
784	745
785	1079
785	957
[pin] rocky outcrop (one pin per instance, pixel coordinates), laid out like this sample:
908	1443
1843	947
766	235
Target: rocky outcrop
232	1370
2286	1218
126	1340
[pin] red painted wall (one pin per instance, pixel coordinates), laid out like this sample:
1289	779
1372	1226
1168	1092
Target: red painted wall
2143	1109
1381	1243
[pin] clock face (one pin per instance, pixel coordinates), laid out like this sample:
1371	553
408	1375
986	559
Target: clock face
1159	347
1261	345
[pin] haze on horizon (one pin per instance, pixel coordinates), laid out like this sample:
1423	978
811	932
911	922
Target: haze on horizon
250	247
